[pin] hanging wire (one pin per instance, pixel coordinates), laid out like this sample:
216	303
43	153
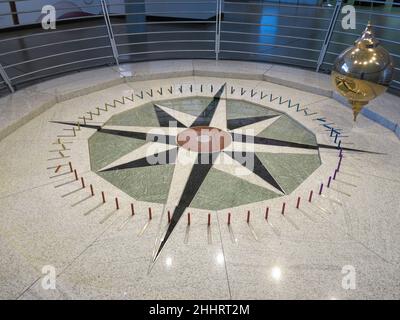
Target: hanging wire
370	12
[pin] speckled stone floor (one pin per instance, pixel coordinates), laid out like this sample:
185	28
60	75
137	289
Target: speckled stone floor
279	243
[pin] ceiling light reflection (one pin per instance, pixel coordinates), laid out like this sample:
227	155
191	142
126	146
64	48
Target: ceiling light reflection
220	258
276	273
168	261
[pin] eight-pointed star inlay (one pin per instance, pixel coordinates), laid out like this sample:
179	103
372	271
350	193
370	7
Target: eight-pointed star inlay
195	154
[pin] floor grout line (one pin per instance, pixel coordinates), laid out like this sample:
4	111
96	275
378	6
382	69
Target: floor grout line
73	259
223	252
4	196
348	233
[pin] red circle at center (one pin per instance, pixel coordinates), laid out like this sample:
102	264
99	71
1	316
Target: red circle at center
204	139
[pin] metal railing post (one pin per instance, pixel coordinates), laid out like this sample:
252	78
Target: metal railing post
110	31
218	16
6	79
329	32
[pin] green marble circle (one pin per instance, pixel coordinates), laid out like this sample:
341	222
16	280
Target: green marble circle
219	189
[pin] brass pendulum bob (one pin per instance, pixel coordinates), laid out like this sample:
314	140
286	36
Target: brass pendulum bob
362	72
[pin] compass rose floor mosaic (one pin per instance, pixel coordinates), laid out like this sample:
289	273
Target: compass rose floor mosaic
200	188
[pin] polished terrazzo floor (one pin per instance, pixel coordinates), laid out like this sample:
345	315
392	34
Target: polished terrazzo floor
274	246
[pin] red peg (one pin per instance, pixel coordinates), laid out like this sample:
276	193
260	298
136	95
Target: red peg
283	208
229	218
132	209
310	196
116	203
103	197
209	219
169	216
298	203
150	214
266	213
248	216
321	188
188	215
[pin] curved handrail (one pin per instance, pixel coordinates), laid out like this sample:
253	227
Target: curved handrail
117	32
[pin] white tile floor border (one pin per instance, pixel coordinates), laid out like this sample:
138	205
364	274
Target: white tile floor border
22	106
